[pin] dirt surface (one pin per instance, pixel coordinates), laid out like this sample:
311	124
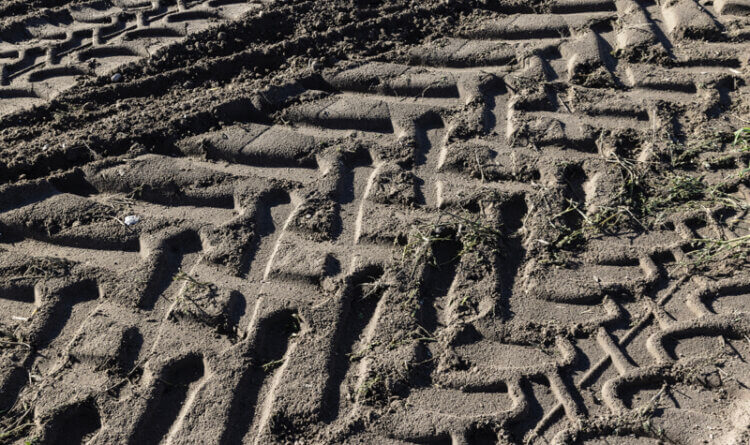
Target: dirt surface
374	222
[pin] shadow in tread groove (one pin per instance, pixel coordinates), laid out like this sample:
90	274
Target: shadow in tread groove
430	130
74	425
357	313
107	51
169	394
21	294
169	264
438	440
274	335
349	190
190	15
14	381
17	93
437	281
532	390
507	266
60	313
265	225
151	33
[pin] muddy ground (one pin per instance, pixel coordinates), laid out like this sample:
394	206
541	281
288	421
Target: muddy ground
374	222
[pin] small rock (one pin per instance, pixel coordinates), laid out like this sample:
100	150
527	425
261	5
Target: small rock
222	35
117	77
132	220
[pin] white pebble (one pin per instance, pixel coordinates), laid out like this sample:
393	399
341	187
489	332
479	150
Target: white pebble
131	220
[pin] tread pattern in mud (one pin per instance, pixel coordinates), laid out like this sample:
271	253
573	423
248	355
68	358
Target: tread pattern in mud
43	56
253	301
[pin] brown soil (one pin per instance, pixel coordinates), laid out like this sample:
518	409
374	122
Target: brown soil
374	222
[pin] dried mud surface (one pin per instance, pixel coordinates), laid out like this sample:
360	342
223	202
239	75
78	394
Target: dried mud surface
374	222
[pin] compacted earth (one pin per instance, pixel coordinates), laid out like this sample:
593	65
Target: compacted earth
374	222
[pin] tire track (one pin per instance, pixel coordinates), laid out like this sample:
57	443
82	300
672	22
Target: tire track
247	275
44	58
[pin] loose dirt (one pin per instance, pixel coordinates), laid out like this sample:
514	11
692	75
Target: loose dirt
374	222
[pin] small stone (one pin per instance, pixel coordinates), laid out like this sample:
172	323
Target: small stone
117	77
132	220
222	35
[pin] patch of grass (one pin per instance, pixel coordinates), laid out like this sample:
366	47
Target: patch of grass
649	192
371	388
712	250
465	302
742	139
191	281
372	289
685	156
684	192
195	294
411	302
294	327
273	364
10	339
418	334
418	249
606	221
359	355
742	143
12	427
681	189
473	234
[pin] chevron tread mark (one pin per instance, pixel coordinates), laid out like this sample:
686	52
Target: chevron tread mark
44	56
397	247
